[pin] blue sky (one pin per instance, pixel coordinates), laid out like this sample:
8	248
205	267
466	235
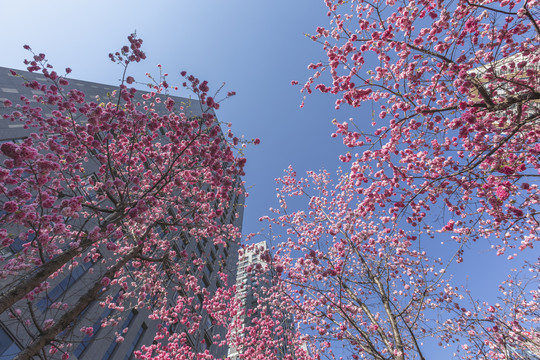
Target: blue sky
256	47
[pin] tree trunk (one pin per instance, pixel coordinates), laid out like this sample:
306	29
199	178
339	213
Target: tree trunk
34	278
42	273
70	316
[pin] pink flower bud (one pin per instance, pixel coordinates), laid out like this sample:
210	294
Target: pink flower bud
11	206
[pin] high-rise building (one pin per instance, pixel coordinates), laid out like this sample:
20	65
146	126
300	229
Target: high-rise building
254	281
134	323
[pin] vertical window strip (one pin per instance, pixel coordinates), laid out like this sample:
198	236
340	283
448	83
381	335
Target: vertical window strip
114	345
136	342
96	327
60	289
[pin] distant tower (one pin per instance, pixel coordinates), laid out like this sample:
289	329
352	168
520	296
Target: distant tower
254	279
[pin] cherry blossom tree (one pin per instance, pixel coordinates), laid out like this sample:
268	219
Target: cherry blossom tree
352	279
497	330
357	286
451	90
110	185
457	89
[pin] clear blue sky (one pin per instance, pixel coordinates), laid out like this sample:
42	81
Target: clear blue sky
256	47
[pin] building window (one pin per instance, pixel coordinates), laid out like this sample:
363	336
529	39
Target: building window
184	239
15	140
136	342
189	342
10	90
200	250
114	344
210	268
60	289
207	341
96	327
8	347
16	245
